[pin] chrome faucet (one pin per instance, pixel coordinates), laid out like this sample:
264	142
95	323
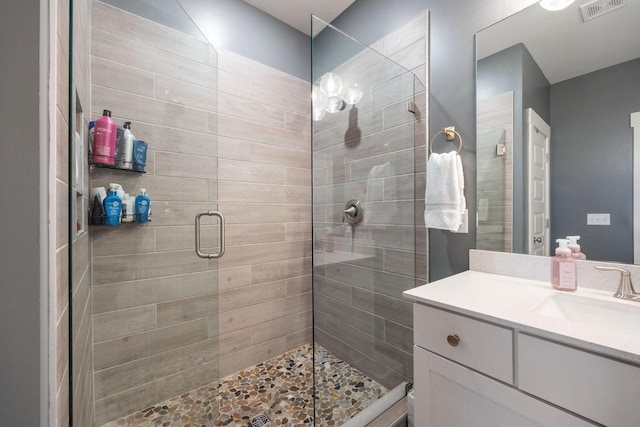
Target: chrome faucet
625	287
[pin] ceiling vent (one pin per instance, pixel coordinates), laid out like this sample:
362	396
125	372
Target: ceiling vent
597	8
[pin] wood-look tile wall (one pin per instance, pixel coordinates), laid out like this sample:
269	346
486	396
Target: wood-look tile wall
495	173
154	300
264	172
224	132
373	152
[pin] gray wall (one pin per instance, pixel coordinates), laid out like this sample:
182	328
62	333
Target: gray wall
238	27
385	15
536	92
21	307
452	88
501	72
514	69
590	132
452	70
452	76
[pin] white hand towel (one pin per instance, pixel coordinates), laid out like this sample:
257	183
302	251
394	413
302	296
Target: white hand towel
444	195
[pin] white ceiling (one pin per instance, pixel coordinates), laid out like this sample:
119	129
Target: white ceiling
564	46
296	13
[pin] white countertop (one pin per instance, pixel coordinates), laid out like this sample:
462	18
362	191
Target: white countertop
515	303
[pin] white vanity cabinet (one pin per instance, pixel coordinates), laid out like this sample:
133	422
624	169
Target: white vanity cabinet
493	351
449	394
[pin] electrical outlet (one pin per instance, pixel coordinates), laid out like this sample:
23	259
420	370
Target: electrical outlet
598	219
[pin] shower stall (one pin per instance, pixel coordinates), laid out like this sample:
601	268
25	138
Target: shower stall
367	248
301	320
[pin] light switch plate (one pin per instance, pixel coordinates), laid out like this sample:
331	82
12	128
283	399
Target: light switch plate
598	219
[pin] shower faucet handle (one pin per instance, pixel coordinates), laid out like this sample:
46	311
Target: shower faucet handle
353	212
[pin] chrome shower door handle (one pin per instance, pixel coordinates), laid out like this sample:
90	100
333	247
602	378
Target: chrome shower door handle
198	249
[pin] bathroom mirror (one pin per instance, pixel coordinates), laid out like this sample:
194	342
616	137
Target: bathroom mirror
557	96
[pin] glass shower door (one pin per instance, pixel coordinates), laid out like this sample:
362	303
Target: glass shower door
364	213
145	305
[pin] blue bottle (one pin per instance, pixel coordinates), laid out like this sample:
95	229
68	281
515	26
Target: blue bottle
112	207
143	204
139	155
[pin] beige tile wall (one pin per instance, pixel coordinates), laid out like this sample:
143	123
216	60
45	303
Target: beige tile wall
373	152
224	132
264	161
153	298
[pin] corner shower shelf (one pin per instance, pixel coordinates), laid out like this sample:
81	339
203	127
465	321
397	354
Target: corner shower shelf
101	166
119	225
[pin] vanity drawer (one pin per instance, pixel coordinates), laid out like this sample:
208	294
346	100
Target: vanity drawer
482	346
596	387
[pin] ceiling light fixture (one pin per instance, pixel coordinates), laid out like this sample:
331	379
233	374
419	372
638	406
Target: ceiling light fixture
329	95
554	5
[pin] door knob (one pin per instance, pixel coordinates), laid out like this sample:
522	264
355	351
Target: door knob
537	240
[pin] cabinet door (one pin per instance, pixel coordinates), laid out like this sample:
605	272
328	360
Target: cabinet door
602	389
450	395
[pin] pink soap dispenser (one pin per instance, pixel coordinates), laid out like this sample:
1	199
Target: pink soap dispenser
576	253
563	268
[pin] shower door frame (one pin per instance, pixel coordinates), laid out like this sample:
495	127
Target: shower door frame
416	104
173	214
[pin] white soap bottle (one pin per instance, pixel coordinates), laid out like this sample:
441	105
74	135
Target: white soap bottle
576	253
128	208
563	268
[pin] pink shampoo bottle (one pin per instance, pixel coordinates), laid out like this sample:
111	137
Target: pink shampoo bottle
104	140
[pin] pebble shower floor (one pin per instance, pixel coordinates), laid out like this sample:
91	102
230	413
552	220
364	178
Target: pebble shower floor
280	388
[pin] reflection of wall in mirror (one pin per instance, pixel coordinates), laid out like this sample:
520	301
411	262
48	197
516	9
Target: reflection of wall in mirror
591	147
591	155
514	70
494	173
